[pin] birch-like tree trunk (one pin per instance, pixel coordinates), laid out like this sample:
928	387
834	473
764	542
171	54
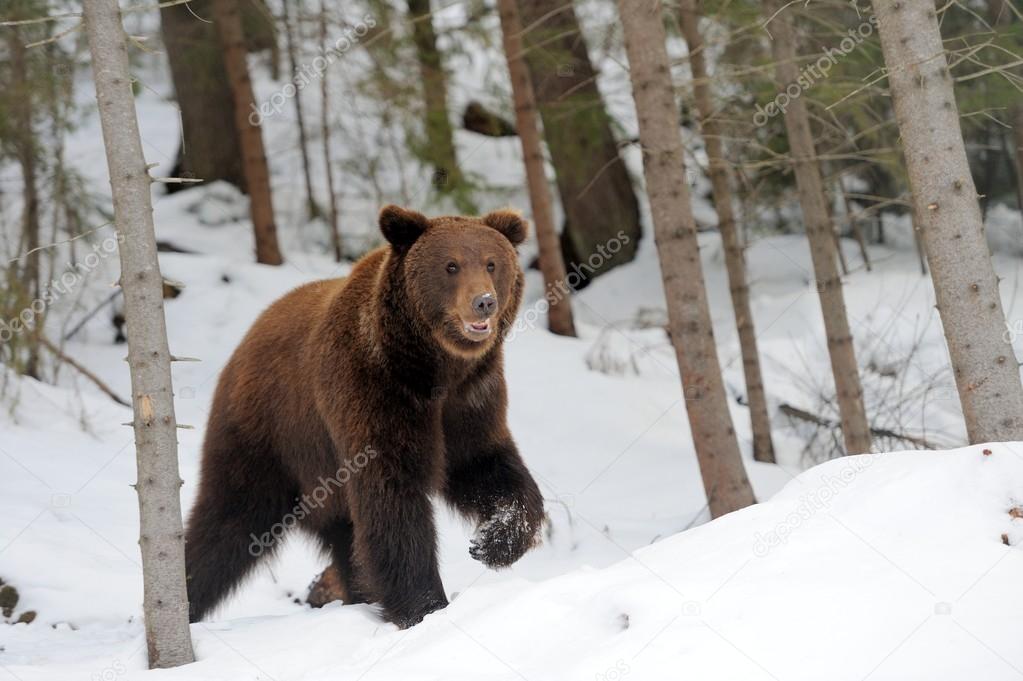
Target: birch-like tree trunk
945	201
552	265
692	335
735	258
227	18
820	233
161	537
335	230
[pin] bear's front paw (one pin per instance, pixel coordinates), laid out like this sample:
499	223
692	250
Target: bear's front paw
508	533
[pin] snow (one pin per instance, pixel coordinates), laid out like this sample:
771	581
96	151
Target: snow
882	566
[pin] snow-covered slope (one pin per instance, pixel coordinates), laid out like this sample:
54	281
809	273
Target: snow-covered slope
887	566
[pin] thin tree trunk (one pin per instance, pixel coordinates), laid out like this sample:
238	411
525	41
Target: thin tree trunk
945	199
440	138
1000	15
819	231
250	136
335	231
735	259
161	538
25	151
1017	133
854	225
312	208
838	244
917	241
692	335
552	266
596	190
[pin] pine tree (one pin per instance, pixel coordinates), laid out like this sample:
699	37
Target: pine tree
945	202
227	18
551	263
596	191
735	259
717	450
820	233
161	538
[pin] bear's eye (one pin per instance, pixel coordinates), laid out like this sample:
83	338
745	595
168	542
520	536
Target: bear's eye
491	267
452	267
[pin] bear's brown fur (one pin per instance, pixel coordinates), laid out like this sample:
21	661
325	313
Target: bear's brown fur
351	401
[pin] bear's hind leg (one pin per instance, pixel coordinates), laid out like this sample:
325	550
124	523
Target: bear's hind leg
238	519
339	580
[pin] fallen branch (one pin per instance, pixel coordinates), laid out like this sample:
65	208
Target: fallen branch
803	415
96	380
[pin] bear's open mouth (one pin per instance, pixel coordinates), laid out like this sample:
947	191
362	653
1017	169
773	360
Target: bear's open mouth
477	330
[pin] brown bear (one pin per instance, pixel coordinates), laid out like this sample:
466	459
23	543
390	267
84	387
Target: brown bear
350	402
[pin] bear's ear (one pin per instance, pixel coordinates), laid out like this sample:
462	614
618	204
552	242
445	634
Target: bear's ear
400	226
508	222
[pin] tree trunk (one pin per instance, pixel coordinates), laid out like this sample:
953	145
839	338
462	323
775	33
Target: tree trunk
692	335
945	200
1017	133
854	225
209	148
250	136
1000	15
596	191
312	208
161	538
335	231
551	263
25	150
440	138
819	231
735	259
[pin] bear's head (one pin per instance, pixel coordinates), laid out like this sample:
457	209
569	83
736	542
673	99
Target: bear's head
460	275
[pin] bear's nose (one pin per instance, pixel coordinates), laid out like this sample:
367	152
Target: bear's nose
484	305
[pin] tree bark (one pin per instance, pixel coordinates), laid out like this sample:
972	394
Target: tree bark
596	191
335	231
440	138
161	538
820	233
312	208
735	259
945	200
552	266
692	334
227	18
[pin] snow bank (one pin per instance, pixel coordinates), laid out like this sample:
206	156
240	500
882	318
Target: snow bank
880	566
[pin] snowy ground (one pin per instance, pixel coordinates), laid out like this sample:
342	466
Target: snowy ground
880	566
